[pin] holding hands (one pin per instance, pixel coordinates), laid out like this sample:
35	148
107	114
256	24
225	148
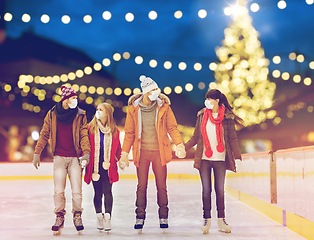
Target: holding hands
180	151
124	161
84	160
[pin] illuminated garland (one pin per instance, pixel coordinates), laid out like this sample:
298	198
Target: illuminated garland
152	15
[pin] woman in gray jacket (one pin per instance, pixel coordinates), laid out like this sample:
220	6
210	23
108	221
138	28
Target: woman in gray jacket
217	149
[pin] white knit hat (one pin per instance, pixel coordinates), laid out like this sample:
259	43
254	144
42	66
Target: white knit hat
147	84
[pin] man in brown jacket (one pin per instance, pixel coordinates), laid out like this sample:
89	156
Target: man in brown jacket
65	126
149	121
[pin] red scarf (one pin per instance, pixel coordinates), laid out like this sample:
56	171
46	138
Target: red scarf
219	132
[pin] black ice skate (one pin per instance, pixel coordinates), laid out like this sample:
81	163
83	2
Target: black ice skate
163	224
77	220
56	228
139	225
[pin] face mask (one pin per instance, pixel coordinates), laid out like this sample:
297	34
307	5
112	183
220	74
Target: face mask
73	103
99	114
154	95
208	105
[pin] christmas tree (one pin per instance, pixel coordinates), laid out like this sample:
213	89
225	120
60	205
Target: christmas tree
242	70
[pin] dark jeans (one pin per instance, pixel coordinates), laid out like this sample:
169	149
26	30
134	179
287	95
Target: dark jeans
160	172
219	168
103	187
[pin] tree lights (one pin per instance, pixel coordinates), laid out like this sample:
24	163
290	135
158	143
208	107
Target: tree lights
242	70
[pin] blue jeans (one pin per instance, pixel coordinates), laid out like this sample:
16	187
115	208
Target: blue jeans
160	172
219	168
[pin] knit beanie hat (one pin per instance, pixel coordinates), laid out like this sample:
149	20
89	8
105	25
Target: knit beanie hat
147	84
67	92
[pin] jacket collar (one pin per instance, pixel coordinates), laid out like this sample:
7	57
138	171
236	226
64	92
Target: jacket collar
134	99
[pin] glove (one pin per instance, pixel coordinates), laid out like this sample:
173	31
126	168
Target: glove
84	160
124	159
36	160
122	165
180	151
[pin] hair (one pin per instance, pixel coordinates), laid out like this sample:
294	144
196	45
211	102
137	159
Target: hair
216	94
109	121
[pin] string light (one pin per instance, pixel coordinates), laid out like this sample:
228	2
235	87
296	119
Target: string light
282	4
129	17
152	15
26	18
178	14
87	18
202	13
8	17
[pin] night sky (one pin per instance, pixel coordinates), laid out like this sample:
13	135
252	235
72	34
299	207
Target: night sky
189	39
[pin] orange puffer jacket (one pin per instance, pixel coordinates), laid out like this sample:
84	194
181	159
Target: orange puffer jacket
166	124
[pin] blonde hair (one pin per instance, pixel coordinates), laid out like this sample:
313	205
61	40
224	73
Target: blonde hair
109	121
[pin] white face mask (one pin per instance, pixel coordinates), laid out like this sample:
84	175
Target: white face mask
73	103
208	105
154	95
99	114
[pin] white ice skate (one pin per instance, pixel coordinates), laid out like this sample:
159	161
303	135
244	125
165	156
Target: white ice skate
206	225
56	228
100	221
223	226
139	225
107	222
163	222
77	220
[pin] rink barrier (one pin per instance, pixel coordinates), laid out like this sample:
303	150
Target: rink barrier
278	184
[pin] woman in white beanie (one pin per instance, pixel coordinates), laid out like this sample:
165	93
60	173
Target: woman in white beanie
102	168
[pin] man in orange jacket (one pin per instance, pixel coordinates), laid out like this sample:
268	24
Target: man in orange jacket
149	121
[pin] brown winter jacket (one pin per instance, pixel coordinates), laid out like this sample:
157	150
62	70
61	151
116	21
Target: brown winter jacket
166	123
49	133
230	136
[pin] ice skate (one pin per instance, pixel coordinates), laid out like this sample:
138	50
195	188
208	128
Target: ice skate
139	225
206	225
223	226
56	228
107	220
100	221
163	222
77	220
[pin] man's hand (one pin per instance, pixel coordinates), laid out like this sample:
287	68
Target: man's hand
84	160
36	160
180	151
124	160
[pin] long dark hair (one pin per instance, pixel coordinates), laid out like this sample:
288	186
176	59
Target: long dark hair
216	94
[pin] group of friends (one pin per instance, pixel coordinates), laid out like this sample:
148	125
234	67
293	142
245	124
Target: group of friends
95	146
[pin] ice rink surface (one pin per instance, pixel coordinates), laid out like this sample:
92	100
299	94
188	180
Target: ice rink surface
26	212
